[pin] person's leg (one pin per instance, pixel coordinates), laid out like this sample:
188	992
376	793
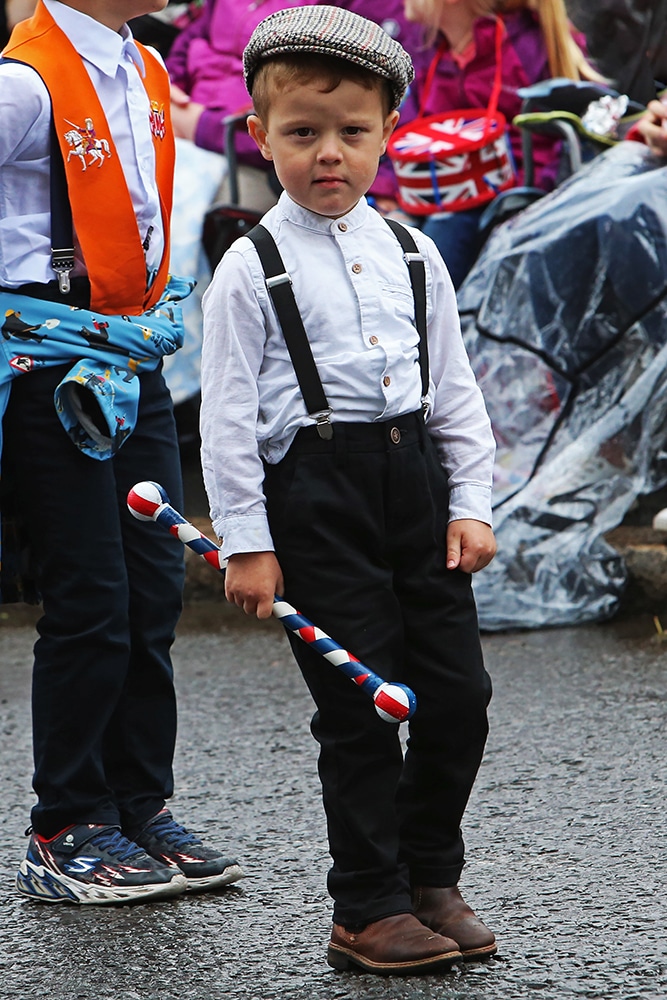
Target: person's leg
140	737
69	506
103	701
443	665
456	236
326	517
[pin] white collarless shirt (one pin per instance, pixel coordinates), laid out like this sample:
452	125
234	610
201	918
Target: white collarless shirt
114	64
353	290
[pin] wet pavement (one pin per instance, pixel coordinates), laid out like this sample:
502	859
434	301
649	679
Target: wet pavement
566	831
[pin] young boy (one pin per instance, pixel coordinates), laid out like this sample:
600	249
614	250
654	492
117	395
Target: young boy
368	511
84	126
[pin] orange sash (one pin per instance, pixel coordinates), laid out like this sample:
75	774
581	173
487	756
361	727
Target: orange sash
104	219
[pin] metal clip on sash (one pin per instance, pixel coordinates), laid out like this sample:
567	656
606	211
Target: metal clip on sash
62	233
62	262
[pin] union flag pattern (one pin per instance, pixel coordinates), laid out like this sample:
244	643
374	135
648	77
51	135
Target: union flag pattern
452	163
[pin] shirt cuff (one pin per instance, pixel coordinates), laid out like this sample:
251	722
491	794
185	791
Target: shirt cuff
471	500
243	533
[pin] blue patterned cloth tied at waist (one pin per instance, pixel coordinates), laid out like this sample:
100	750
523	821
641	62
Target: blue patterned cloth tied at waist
97	401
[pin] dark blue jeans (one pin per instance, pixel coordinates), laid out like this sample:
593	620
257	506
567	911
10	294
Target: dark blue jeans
104	710
359	526
456	236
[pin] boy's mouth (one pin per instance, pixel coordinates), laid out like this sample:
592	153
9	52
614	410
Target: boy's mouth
329	181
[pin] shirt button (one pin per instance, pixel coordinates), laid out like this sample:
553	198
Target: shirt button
356	268
386	380
395	435
373	340
343	227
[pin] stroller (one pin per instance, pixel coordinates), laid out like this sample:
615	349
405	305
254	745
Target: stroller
564	317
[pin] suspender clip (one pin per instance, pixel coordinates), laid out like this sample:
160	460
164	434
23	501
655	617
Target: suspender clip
62	262
278	279
412	258
323	424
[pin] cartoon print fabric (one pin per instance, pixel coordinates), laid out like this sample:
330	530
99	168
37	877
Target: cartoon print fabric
108	351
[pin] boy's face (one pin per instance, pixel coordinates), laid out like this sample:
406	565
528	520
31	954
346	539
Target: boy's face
325	146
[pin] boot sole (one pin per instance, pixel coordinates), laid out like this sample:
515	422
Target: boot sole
344	960
478	954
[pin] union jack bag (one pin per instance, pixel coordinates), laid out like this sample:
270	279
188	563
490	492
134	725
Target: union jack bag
457	160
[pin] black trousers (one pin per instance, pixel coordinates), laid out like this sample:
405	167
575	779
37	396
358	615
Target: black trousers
359	525
104	712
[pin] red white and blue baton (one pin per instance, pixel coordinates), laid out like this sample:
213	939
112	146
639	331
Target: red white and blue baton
393	702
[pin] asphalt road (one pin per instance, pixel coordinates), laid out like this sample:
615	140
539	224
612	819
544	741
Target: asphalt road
565	831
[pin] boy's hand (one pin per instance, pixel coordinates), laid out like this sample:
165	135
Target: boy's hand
251	581
471	545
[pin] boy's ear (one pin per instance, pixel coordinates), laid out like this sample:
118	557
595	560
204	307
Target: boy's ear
260	136
390	123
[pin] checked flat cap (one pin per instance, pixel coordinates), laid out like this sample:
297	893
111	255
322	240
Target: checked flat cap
330	31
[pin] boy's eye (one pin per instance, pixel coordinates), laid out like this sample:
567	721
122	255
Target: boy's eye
352	130
303	132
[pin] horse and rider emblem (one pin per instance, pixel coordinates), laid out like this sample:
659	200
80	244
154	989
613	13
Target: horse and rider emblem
84	142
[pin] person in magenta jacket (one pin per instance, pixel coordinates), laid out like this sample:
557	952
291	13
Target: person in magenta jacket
205	64
538	43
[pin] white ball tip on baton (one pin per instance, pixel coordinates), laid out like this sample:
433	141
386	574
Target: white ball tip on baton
394	702
145	500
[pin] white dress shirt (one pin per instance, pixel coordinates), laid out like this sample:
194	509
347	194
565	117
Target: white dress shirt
113	63
353	290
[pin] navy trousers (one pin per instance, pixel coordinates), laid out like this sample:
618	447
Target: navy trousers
456	235
104	711
359	526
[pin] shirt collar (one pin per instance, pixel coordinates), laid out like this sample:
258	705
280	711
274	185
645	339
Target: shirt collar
96	43
322	223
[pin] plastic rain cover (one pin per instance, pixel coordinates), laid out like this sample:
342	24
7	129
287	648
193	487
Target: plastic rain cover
565	320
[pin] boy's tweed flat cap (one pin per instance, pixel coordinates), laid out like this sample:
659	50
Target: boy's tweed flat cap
330	31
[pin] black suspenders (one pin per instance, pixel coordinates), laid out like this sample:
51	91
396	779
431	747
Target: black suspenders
62	239
417	271
279	285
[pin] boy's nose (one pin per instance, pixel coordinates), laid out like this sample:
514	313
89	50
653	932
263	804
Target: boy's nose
329	150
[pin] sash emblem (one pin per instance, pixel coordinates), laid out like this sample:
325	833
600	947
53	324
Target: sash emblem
157	121
84	142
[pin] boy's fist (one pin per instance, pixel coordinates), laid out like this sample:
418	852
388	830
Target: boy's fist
471	545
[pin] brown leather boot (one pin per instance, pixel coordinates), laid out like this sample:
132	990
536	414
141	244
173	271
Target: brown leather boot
394	946
445	911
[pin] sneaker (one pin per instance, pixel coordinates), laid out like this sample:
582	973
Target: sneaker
204	867
90	863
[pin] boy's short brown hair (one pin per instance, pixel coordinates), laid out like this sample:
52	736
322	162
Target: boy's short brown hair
283	72
330	32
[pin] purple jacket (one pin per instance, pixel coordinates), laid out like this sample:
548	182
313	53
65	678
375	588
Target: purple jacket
206	59
524	61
